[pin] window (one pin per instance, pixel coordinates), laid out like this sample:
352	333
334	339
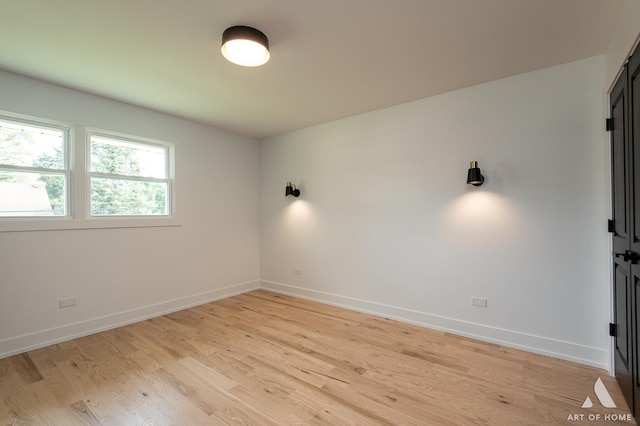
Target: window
34	168
56	176
128	177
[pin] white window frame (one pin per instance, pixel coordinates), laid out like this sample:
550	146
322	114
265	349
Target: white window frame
78	187
169	180
66	170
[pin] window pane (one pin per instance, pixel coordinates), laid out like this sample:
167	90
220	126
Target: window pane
120	197
28	146
129	159
31	194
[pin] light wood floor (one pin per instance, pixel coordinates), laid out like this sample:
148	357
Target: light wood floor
267	359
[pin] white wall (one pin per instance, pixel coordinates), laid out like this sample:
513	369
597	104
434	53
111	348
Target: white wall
623	39
121	275
386	223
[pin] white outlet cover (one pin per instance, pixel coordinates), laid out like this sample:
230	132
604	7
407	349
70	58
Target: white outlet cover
66	303
479	301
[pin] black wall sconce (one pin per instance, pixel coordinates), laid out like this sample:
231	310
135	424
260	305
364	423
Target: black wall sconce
291	190
474	177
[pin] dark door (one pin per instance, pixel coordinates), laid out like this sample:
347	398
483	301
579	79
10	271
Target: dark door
633	136
623	340
625	177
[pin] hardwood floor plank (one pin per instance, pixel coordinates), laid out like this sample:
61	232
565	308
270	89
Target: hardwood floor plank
32	403
85	413
262	358
26	368
62	389
214	390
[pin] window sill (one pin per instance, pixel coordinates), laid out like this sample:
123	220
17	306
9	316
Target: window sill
66	224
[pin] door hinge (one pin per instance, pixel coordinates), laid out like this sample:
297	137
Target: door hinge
611	226
609	124
613	330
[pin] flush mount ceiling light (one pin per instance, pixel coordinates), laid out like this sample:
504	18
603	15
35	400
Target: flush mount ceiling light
245	46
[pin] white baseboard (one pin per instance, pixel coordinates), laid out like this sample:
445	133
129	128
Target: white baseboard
594	357
40	339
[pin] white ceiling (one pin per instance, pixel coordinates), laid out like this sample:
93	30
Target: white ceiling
330	59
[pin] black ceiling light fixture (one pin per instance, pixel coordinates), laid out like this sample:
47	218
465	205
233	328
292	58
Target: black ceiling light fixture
291	191
245	46
474	176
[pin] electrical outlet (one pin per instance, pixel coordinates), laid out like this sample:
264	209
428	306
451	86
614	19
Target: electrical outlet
479	301
67	303
297	271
